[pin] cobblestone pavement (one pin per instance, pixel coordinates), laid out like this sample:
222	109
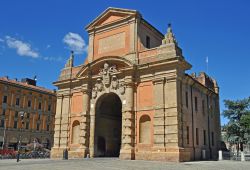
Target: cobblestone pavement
116	164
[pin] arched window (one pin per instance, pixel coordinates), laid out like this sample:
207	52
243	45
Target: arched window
145	130
75	132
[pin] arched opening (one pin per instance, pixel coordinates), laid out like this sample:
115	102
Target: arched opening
75	132
145	130
108	125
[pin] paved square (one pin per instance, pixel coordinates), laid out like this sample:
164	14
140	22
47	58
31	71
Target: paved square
116	164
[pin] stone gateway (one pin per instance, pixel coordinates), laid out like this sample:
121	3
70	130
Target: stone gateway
132	98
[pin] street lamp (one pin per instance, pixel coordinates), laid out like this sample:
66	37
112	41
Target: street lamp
22	115
4	133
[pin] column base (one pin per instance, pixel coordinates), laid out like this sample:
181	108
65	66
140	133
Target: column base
77	154
56	153
127	154
165	154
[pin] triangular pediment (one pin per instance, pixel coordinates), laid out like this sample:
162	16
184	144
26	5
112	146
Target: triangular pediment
111	18
111	15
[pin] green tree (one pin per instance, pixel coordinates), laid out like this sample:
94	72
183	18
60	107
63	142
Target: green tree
238	127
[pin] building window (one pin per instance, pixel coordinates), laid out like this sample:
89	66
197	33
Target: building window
16	114
40	106
2	123
17	101
27	125
5	88
197	136
47	127
5	99
186	99
203	107
49	107
196	104
4	111
204	137
37	126
147	42
29	103
212	138
28	115
75	132
214	108
187	135
15	124
145	130
39	116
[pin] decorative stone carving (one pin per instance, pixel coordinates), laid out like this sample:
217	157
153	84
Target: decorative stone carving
70	61
94	92
105	73
169	37
114	82
108	80
122	87
99	85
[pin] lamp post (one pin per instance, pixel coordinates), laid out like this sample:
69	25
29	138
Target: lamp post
34	144
22	114
4	133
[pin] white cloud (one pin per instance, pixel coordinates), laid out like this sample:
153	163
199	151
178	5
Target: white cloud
1	40
75	42
48	46
22	48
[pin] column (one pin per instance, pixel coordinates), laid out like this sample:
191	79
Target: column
57	128
91	48
92	132
128	124
65	121
84	122
159	115
171	113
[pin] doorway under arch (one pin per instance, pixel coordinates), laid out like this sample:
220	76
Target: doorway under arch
108	125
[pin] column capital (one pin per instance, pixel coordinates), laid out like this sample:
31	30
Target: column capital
85	91
129	84
67	94
59	96
159	80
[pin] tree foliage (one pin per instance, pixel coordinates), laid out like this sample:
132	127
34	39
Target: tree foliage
238	114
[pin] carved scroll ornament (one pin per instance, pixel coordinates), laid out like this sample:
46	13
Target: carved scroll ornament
108	81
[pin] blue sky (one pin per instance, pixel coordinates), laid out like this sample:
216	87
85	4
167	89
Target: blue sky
36	36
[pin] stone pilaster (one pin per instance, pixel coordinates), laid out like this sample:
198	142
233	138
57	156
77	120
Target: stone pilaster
132	37
91	48
171	115
65	121
58	122
159	115
128	123
92	133
84	122
56	152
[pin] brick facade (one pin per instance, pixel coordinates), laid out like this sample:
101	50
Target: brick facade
165	113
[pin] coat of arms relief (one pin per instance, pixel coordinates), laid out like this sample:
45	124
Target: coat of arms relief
108	81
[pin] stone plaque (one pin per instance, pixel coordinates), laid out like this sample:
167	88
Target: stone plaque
111	43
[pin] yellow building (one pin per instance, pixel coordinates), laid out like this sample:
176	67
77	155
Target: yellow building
39	106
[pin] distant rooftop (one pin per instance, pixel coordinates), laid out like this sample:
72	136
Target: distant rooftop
26	83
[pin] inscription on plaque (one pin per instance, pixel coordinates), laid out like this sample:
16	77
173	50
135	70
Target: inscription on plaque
111	43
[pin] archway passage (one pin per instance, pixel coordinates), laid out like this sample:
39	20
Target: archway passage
108	126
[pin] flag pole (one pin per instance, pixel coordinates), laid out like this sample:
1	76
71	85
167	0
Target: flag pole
207	64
